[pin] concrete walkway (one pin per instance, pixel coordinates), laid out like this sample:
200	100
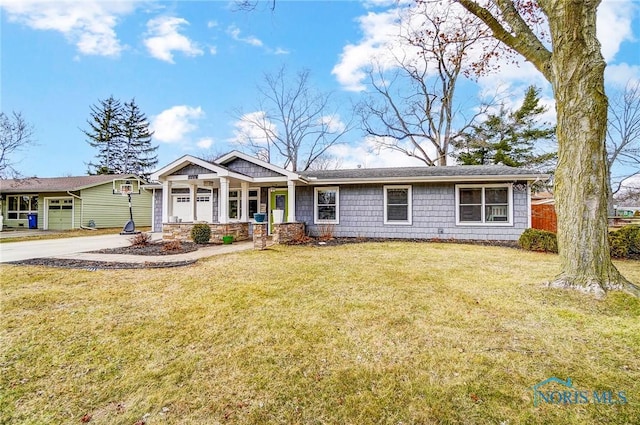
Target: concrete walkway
188	256
79	248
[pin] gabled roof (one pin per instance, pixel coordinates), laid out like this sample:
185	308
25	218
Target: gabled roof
226	158
427	174
189	159
58	184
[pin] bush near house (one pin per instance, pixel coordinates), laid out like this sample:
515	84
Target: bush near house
538	240
201	233
623	243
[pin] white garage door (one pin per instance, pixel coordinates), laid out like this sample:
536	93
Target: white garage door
182	207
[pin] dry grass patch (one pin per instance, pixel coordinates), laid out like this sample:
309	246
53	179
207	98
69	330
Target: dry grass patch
374	333
38	235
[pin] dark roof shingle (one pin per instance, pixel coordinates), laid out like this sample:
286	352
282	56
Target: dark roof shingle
454	171
57	184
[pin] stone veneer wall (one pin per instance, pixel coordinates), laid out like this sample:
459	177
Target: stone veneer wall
260	236
182	231
287	232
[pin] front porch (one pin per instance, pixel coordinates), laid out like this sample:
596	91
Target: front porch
224	194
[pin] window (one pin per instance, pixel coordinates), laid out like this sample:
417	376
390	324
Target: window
397	205
18	206
235	203
326	205
254	203
488	204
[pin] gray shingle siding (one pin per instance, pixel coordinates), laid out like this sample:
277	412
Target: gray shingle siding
157	210
361	214
250	169
191	169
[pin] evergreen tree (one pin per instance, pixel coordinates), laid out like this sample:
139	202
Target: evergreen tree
139	155
509	137
105	135
122	137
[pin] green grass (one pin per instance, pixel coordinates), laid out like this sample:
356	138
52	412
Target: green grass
376	333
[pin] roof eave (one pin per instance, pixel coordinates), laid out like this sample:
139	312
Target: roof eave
429	179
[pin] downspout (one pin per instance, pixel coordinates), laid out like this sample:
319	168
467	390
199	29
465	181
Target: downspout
81	209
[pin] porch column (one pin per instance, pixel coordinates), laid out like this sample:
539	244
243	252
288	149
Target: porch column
193	193
244	202
291	197
167	205
223	201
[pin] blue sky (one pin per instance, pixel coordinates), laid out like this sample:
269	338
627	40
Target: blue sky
191	64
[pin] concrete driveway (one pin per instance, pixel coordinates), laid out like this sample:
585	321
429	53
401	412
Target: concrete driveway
17	251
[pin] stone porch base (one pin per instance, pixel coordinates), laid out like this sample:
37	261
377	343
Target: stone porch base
182	231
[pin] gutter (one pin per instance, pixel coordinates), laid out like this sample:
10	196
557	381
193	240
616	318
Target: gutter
81	207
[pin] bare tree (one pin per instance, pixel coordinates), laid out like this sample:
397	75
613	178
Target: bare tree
623	138
413	107
294	125
15	135
569	56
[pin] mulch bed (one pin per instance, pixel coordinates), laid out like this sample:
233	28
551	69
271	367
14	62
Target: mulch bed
150	249
156	248
98	265
343	241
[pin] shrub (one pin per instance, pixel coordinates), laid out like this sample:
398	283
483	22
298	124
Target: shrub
625	241
325	232
538	240
140	239
201	233
172	246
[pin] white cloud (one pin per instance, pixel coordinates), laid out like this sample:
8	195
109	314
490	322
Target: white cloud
204	143
379	42
614	25
250	128
366	155
379	30
234	32
619	75
164	38
89	24
281	51
174	124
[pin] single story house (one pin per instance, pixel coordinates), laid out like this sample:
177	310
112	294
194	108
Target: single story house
453	202
62	203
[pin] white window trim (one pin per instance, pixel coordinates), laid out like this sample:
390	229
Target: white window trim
316	220
45	223
19	211
409	219
239	199
483	223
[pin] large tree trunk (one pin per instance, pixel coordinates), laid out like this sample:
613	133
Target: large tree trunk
577	75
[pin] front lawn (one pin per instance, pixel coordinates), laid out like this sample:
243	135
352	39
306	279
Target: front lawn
384	333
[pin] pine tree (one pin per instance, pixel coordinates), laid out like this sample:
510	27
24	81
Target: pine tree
105	135
139	156
123	139
509	137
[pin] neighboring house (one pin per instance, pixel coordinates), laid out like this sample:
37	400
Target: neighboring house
456	202
62	203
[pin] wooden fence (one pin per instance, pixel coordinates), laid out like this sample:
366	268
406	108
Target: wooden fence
543	217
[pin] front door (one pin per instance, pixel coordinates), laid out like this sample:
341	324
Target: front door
277	206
